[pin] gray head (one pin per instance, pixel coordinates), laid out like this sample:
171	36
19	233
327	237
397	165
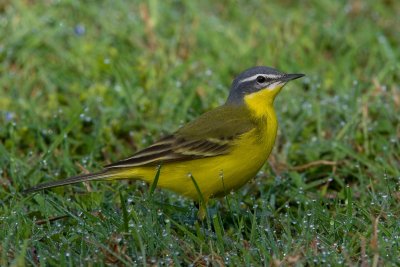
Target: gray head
258	79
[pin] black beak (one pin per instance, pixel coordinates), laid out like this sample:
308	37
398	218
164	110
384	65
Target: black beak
289	77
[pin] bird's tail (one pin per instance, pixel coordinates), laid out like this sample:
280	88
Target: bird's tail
102	175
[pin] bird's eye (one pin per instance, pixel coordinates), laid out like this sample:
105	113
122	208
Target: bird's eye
261	79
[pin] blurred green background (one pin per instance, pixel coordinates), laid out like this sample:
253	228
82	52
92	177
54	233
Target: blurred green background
84	83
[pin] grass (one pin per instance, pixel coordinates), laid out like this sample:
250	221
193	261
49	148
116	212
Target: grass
82	85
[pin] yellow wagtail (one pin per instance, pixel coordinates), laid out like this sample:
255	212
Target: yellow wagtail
214	154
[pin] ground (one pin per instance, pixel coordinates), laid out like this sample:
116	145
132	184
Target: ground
84	84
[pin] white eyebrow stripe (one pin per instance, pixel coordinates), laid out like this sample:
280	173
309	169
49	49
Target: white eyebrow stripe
270	76
250	78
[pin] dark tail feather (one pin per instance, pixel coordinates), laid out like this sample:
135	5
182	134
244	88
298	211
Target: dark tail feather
72	180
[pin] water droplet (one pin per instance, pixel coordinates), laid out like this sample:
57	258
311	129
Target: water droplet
79	30
9	116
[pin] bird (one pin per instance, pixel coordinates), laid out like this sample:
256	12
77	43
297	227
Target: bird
213	155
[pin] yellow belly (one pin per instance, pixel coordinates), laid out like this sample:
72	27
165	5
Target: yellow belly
215	176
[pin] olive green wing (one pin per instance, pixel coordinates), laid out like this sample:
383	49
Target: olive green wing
212	134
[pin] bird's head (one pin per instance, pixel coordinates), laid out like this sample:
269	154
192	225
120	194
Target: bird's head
263	83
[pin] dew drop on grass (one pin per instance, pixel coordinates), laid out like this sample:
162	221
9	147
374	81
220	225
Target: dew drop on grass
118	88
221	174
207	260
9	116
44	163
85	160
79	30
164	233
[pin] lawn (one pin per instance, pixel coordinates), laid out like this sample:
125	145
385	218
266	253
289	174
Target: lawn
83	84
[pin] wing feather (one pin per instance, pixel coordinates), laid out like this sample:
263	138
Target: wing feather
212	134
